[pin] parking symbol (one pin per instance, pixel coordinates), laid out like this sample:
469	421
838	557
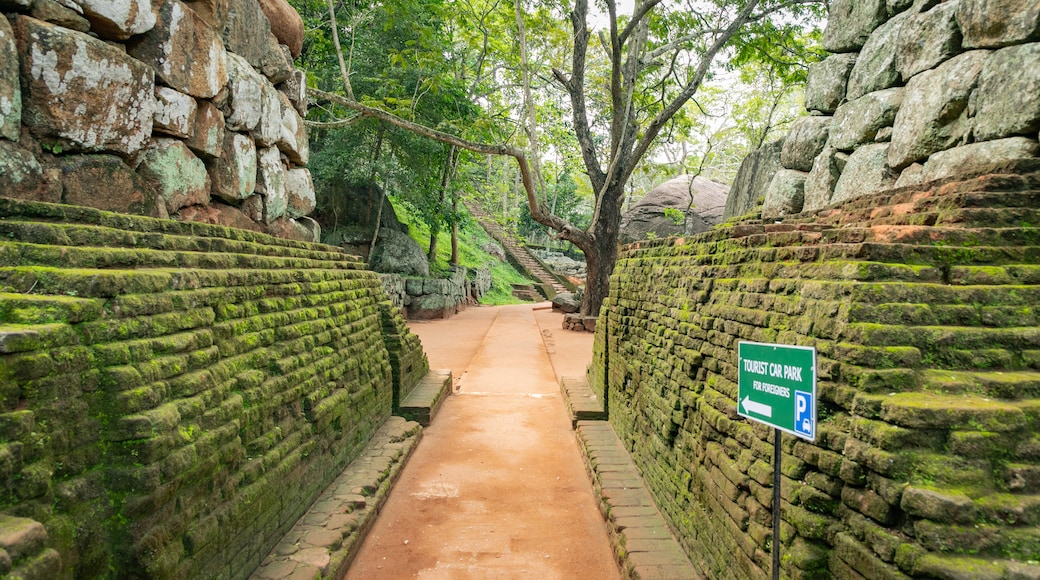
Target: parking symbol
803	416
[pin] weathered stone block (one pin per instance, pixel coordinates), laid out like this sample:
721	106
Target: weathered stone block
875	67
867	171
293	141
804	142
927	39
207	137
219	214
213	12
174	112
245	90
178	176
938	505
300	191
269	128
786	194
295	87
10	91
105	182
850	22
114	101
313	228
820	183
934	113
119	19
23	177
185	52
827	81
973	159
286	24
55	13
270	181
858	122
996	23
233	174
1008	101
248	33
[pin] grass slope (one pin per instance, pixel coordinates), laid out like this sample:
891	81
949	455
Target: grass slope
471	239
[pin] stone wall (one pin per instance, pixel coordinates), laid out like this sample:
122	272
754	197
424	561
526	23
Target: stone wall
190	110
173	396
922	304
428	298
915	90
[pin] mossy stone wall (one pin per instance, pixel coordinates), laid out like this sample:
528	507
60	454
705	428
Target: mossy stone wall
173	396
923	304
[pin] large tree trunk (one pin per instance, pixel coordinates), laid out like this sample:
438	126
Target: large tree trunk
602	253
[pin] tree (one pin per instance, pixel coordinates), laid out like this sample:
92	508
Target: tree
656	61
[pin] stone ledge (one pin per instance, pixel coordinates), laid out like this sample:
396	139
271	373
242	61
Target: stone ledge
427	397
582	402
643	545
325	540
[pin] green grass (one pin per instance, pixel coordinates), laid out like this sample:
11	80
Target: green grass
471	238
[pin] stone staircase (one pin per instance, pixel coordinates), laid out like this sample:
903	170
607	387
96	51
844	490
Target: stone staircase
520	257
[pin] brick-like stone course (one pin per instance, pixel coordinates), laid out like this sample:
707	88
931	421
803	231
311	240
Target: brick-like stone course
173	395
921	304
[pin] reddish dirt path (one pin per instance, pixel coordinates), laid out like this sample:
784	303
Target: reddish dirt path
496	489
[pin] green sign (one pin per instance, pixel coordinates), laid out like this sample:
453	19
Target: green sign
777	386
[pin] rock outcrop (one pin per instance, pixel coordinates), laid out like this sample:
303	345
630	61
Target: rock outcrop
157	108
708	200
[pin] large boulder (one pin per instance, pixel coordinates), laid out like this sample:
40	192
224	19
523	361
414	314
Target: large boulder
124	190
850	22
119	19
286	24
176	174
708	201
971	160
397	253
866	172
804	142
786	194
10	90
233	173
826	82
822	179
81	93
875	67
752	180
1009	93
927	39
186	53
996	23
248	33
858	122
934	113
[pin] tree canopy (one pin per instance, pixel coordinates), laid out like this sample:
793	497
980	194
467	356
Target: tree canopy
584	98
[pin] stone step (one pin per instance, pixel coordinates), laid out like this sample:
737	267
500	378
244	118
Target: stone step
582	402
425	400
326	539
643	544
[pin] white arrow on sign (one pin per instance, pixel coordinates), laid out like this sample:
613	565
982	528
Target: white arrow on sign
756	408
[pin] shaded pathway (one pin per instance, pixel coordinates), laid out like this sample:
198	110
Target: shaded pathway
496	488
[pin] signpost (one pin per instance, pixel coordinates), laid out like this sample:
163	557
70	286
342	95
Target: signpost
776	385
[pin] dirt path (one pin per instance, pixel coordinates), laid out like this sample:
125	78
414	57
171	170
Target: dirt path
496	489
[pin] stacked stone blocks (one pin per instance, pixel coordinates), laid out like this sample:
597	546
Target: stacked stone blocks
914	91
921	303
173	396
190	110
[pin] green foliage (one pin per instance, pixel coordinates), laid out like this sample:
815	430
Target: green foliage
471	239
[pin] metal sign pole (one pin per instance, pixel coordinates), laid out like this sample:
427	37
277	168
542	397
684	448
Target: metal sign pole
776	504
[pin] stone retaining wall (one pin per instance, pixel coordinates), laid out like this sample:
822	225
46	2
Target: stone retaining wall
173	396
915	91
190	110
427	298
922	304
